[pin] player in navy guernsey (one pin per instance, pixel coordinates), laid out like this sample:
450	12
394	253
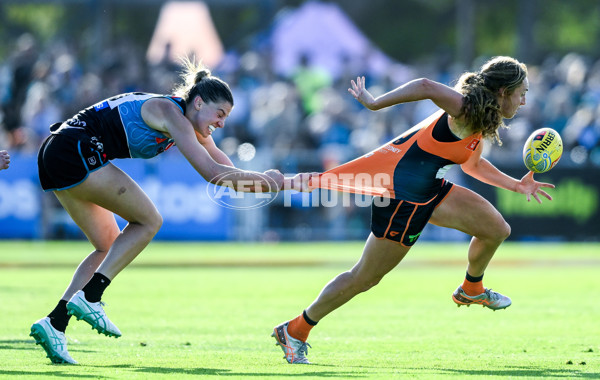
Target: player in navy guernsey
417	192
74	163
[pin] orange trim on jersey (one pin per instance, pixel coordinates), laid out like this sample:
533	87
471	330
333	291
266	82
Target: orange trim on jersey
445	196
373	173
457	151
392	219
408	223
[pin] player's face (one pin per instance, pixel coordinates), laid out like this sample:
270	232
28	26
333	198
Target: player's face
211	116
510	103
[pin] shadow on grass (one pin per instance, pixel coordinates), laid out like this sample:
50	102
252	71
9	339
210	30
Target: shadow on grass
29	344
17	344
228	372
564	373
47	374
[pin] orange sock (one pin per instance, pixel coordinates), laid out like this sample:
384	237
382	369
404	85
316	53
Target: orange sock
299	328
473	288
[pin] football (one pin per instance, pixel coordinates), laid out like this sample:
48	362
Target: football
542	150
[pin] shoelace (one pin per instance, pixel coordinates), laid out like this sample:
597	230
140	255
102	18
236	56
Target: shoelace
303	349
492	295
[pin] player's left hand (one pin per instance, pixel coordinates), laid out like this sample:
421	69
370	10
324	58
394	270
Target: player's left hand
531	187
360	92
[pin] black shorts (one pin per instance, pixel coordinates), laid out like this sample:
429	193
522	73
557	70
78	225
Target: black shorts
403	221
66	159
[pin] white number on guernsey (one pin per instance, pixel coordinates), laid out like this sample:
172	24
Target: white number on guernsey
116	101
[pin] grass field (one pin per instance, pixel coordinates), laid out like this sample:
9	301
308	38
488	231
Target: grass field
202	310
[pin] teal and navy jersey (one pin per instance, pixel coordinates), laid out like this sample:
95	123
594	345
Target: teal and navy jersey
118	126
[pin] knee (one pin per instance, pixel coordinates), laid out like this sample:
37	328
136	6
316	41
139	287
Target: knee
367	284
504	231
103	240
155	222
499	233
150	222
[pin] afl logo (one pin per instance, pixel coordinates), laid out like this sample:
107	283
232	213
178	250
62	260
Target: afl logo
225	193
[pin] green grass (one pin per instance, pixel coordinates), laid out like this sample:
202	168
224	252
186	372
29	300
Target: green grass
206	310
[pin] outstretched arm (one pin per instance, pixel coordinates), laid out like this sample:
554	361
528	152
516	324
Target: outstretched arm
217	154
443	96
164	115
483	170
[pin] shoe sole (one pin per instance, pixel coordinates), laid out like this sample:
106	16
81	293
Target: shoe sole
76	311
41	338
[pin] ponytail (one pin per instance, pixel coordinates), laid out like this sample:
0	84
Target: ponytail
198	81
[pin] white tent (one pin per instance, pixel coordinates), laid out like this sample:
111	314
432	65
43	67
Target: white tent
326	35
185	28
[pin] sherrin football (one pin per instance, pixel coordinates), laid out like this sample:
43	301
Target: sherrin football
542	150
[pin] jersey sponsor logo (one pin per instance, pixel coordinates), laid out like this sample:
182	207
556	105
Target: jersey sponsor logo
160	140
441	173
100	146
390	148
413	238
473	144
161	149
74	122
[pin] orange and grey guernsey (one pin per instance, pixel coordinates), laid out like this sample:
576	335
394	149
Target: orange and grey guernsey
410	167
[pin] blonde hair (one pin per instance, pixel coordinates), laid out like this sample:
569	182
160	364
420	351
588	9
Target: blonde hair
198	80
481	110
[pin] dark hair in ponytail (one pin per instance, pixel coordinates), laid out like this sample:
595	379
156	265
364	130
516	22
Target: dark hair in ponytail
197	80
481	110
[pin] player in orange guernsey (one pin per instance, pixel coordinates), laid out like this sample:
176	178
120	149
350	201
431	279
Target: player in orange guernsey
406	176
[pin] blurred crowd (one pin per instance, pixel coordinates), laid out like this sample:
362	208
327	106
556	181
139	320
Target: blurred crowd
306	121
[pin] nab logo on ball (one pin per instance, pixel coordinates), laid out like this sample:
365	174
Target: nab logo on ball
226	195
542	150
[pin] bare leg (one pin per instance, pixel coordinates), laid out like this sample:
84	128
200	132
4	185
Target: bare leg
92	204
379	257
469	212
101	229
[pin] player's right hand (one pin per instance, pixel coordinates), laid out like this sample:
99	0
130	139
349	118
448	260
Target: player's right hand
4	159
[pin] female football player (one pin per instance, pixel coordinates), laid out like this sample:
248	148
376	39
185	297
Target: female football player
415	164
75	163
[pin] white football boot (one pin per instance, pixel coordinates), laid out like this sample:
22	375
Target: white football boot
92	313
488	298
295	350
54	342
